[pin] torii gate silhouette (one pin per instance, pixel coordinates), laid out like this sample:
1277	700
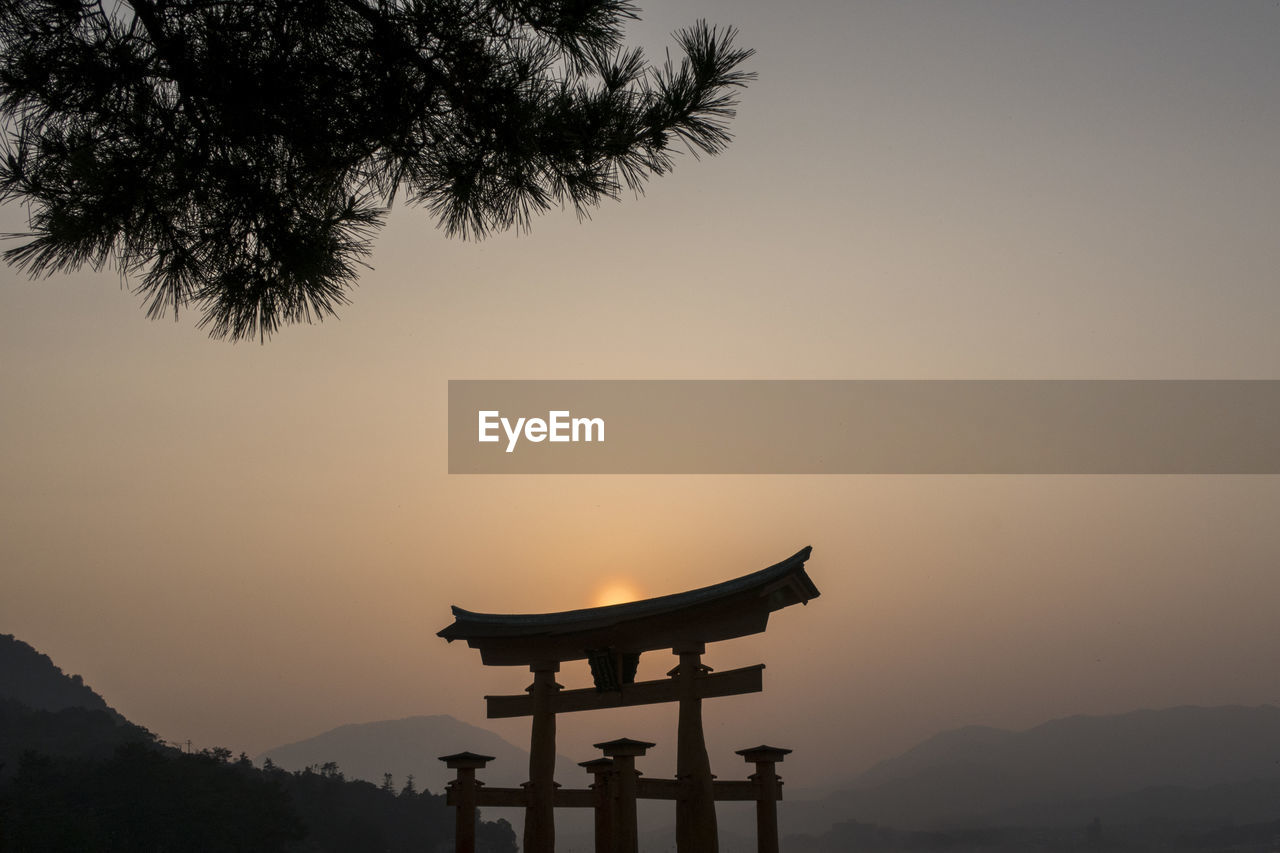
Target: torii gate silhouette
612	639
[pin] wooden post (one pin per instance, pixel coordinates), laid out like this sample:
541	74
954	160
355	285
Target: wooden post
770	791
539	814
696	808
462	795
602	773
623	752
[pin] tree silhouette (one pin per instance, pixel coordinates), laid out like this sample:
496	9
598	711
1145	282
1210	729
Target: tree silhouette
237	157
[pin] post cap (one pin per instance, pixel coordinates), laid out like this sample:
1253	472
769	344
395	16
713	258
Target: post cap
624	746
763	753
464	760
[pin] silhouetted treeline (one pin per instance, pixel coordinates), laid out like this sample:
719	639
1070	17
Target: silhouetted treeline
68	733
77	776
359	817
147	798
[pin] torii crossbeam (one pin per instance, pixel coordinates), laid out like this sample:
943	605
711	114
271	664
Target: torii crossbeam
612	639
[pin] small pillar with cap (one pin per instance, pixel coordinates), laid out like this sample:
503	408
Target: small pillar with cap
769	787
623	751
462	794
601	770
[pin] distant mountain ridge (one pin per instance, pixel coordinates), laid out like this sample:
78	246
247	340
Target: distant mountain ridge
413	745
1155	762
1185	746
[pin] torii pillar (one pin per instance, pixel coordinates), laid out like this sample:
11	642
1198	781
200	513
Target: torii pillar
540	813
696	830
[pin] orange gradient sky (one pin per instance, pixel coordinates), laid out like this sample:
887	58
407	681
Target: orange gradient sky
247	545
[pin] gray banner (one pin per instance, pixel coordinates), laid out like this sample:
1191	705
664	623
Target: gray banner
864	427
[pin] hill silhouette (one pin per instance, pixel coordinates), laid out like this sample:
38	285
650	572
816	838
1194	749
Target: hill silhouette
1159	763
46	711
76	775
31	678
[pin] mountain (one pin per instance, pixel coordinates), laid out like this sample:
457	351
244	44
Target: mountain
414	745
1167	762
46	711
31	678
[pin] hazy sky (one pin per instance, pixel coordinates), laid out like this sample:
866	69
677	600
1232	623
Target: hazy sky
247	545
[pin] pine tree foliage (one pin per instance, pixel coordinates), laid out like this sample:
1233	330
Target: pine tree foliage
237	157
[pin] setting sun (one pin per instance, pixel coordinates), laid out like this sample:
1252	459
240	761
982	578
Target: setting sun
614	592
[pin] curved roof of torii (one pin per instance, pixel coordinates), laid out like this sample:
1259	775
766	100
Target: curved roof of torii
734	608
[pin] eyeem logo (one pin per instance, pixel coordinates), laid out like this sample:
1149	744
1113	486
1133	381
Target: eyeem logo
558	426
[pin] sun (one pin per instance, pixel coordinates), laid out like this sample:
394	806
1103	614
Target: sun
614	592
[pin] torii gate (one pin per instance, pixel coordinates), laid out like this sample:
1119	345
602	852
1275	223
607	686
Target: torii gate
611	639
